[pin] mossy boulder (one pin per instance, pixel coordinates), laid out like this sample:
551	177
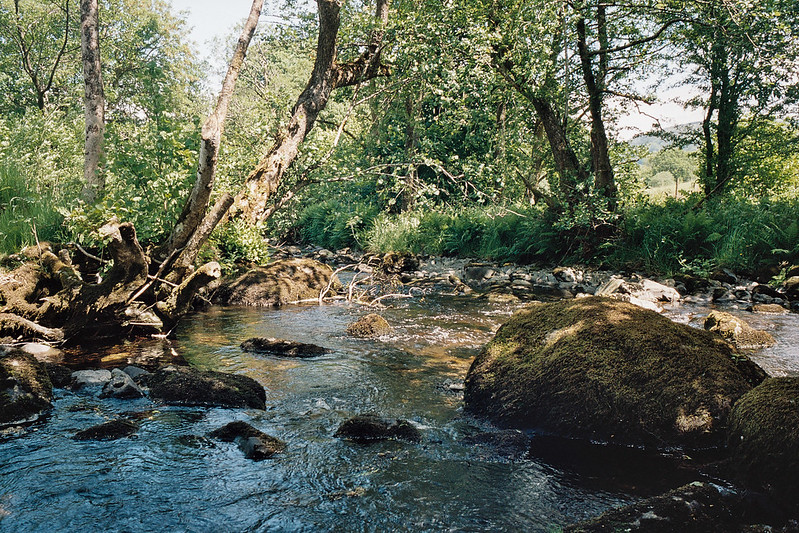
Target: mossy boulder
277	284
25	388
737	331
371	325
189	386
609	370
398	262
764	439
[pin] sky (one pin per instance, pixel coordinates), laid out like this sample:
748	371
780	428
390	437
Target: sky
210	19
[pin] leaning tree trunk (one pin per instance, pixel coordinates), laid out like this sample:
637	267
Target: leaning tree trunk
327	75
94	100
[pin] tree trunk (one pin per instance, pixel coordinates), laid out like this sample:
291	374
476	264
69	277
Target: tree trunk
194	211
327	75
595	86
93	99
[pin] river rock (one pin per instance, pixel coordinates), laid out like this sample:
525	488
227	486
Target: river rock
764	439
189	386
60	375
398	262
605	369
255	444
113	430
277	284
647	294
282	347
769	309
369	427
136	374
737	331
121	386
25	388
85	379
791	287
43	352
694	508
371	325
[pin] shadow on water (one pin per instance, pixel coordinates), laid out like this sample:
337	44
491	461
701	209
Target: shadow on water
172	477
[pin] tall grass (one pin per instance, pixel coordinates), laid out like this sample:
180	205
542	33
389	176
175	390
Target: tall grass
667	238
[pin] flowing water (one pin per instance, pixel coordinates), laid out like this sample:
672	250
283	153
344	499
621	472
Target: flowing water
171	477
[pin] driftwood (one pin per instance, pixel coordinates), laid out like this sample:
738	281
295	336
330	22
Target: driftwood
46	298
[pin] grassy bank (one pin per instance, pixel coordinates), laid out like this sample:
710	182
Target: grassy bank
666	238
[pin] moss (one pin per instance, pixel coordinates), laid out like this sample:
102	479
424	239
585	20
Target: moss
606	369
764	438
277	284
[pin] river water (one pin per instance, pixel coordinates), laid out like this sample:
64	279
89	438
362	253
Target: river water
170	477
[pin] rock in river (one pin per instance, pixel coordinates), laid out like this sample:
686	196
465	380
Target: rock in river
254	443
282	347
277	284
113	430
120	385
25	388
189	386
737	331
764	439
605	369
371	325
370	427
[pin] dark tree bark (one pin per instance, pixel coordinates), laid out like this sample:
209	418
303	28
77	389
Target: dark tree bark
595	80
93	100
326	76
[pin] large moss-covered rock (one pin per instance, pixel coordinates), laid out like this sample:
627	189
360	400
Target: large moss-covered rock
606	369
371	325
278	283
764	439
189	386
25	388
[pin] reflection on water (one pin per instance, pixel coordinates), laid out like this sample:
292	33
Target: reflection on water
170	477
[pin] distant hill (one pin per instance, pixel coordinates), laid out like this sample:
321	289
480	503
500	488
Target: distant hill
657	141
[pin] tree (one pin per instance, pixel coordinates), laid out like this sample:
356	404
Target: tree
741	55
37	35
93	100
327	75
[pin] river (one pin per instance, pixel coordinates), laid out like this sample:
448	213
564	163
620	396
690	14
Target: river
170	477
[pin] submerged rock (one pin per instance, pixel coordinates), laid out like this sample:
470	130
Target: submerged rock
510	443
282	347
189	386
255	444
121	385
737	331
113	430
764	439
371	325
605	369
369	427
25	388
277	284
693	508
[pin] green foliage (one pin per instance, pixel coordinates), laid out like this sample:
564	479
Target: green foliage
335	225
238	242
